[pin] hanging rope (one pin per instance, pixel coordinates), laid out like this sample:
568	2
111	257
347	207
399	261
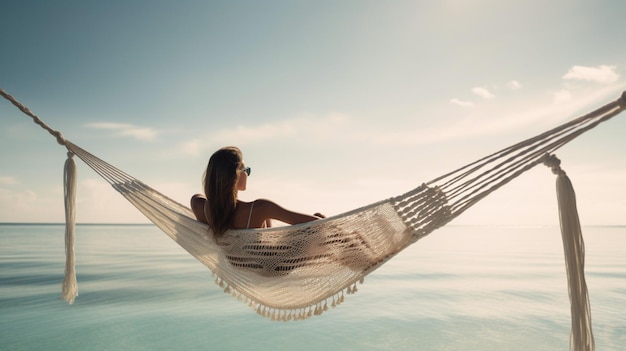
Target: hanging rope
70	286
59	137
581	337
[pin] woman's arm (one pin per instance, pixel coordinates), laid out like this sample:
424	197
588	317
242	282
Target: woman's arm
197	206
266	209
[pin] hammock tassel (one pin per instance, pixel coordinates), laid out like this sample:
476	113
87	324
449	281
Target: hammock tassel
70	286
581	337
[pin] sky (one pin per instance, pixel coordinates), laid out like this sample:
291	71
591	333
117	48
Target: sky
335	104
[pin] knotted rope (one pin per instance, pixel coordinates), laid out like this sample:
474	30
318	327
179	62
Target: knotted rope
581	336
69	286
58	135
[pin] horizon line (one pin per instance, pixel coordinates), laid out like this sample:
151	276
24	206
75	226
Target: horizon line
450	225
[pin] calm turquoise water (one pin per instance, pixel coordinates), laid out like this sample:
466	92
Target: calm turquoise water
462	288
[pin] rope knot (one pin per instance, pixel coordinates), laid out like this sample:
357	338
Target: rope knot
622	99
59	136
553	163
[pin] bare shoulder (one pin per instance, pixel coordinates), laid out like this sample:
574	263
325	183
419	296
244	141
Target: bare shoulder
266	208
265	203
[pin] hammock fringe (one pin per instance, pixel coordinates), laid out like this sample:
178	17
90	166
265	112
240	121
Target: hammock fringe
70	286
285	315
581	336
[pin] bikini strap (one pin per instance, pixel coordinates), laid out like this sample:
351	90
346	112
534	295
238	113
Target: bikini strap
250	215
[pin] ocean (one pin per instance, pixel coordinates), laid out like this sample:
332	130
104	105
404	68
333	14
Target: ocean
461	288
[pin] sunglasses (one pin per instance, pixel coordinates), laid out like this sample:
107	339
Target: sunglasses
248	170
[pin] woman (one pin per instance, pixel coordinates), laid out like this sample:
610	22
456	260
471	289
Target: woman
224	177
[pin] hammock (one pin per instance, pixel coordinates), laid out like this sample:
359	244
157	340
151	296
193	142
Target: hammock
294	272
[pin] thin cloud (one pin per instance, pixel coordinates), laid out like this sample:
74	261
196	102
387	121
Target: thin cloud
339	129
99	203
514	85
483	122
562	96
192	147
8	180
462	103
126	130
301	127
19	206
483	93
601	74
109	125
306	128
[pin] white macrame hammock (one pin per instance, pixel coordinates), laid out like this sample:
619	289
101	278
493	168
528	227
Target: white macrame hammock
294	272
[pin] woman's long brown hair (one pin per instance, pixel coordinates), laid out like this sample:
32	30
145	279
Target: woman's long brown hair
220	188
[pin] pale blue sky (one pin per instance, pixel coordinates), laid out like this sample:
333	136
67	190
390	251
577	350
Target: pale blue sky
335	104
